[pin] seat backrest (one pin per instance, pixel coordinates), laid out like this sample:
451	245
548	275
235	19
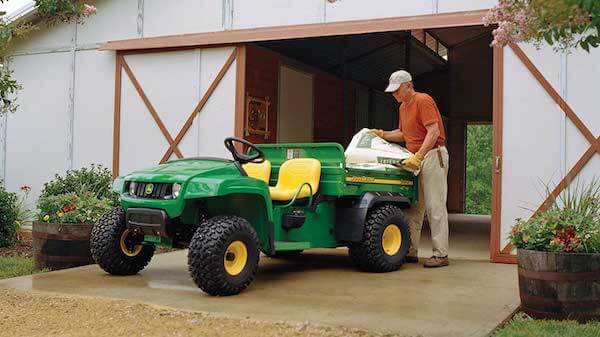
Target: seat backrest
295	172
261	171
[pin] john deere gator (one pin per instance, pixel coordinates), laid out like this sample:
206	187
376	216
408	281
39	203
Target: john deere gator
278	199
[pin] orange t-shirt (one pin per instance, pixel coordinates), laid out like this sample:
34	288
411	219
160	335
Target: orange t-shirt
415	116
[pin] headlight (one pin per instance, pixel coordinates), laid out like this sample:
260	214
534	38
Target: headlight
176	189
132	186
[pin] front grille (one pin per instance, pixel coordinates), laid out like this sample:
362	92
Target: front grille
159	190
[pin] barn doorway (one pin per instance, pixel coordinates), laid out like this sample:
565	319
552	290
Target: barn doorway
453	65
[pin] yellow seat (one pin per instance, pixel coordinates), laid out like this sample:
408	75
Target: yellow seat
292	174
261	171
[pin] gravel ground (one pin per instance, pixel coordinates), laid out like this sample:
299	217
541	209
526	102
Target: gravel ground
33	314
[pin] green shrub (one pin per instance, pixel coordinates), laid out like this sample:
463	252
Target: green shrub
478	186
8	216
570	224
95	179
73	208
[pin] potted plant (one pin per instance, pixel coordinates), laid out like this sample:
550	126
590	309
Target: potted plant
559	257
69	206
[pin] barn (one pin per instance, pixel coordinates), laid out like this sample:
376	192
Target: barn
145	81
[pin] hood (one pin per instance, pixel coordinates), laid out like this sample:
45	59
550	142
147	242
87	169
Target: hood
180	171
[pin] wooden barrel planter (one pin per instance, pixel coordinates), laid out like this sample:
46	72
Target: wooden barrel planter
559	285
60	246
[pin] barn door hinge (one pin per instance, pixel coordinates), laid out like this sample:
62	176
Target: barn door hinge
497	163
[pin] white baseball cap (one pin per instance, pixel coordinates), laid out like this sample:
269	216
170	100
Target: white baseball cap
396	79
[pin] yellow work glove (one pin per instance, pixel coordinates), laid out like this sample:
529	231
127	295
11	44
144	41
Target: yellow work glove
377	132
413	163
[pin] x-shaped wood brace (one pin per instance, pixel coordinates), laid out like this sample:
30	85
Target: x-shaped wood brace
587	155
173	143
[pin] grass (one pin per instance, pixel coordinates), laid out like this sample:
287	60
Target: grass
543	328
13	266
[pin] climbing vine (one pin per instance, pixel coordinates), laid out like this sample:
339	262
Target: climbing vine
564	24
48	13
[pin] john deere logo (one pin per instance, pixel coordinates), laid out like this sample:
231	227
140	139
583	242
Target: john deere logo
149	189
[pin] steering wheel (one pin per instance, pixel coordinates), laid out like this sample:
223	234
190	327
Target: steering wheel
242	158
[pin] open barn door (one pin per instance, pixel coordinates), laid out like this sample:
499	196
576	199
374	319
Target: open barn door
548	134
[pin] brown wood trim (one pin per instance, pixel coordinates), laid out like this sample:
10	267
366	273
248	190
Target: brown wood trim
552	93
505	258
497	110
507	249
198	108
467	18
117	116
150	108
240	90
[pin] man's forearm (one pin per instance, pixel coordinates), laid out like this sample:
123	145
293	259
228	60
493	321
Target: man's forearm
429	142
393	136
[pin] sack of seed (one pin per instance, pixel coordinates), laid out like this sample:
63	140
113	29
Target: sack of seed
366	147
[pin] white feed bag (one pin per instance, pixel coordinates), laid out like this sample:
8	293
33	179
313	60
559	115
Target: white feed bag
366	148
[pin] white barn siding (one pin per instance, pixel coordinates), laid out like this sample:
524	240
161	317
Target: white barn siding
264	13
37	134
115	20
47	39
182	16
447	6
345	10
94	105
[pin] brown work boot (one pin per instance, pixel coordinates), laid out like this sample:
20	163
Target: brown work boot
435	261
411	259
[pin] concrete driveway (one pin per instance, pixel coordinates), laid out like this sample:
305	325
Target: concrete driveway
469	298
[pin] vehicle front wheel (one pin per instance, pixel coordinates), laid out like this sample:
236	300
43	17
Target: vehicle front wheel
223	255
385	242
117	250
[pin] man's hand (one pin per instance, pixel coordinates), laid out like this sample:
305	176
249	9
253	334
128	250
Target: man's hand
377	132
413	163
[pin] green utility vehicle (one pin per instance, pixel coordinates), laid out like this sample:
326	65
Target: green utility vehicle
279	199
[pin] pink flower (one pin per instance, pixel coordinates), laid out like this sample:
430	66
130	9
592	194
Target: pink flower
26	188
89	10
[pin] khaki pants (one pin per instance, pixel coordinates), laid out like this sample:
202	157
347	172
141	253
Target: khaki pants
433	191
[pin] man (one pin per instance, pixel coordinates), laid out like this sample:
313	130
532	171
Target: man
422	130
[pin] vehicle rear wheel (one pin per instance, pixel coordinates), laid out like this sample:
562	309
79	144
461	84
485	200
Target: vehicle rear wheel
386	238
117	250
223	255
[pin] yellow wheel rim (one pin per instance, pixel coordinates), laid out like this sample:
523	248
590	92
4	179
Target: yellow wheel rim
235	258
391	240
126	248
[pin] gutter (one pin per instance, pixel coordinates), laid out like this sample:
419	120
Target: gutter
24	13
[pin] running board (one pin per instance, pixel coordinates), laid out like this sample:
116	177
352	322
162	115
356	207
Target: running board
291	245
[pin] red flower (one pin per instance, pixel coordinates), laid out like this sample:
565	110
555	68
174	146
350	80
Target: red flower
568	237
26	188
69	208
